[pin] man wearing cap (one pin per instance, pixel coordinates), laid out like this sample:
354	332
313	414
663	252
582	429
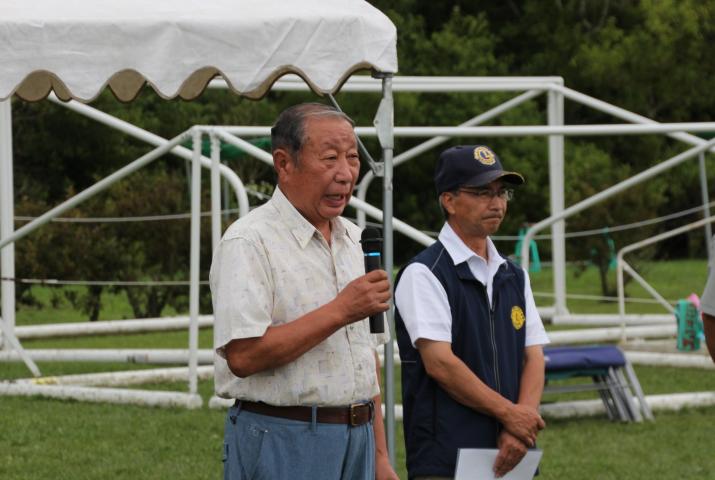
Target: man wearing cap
469	334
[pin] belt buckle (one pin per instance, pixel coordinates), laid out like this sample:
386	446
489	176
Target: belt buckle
354	414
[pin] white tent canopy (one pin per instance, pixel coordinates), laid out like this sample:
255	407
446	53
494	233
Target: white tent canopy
78	47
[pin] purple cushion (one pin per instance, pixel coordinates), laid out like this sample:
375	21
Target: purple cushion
568	358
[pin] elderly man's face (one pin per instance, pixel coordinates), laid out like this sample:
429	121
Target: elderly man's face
321	184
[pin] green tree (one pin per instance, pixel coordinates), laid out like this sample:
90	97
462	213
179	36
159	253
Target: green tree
67	251
119	251
649	56
589	171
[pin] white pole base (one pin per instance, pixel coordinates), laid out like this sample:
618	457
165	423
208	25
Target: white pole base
121	396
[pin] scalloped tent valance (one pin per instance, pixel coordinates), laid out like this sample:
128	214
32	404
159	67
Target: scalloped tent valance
77	48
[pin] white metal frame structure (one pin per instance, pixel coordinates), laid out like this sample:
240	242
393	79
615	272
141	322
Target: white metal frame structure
623	266
191	399
555	130
531	88
643	125
534	87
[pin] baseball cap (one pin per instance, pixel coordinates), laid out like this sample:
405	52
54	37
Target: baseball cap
470	165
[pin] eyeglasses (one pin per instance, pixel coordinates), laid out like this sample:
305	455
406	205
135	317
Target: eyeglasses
487	194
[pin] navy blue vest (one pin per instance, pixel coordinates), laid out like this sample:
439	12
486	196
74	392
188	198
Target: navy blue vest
487	340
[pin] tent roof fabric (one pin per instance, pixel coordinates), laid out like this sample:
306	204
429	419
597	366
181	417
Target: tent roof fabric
78	47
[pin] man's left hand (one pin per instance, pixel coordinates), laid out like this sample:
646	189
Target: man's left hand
511	451
383	469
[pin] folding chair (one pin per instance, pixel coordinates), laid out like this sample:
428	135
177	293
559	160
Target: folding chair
611	374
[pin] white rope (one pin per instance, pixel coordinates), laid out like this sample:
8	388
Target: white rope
577	296
639	224
602	230
145	218
152	283
142	283
263	196
148	218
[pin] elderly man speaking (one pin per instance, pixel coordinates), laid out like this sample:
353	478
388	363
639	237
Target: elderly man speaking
290	298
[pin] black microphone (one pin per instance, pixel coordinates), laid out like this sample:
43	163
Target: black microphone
371	241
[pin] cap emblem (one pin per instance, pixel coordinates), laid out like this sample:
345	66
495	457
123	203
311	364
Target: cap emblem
484	155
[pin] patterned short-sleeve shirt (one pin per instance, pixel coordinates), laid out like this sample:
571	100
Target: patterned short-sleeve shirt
271	267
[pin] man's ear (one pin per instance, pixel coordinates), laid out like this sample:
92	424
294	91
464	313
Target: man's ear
447	199
282	162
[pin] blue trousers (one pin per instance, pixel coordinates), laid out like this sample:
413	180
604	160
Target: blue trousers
259	447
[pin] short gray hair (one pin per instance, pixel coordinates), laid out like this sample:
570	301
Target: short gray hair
289	130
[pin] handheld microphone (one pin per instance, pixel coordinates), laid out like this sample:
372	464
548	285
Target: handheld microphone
371	240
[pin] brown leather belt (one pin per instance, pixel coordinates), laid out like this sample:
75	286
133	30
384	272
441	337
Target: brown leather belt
355	415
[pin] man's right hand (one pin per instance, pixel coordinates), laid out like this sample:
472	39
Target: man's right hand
364	296
511	451
524	422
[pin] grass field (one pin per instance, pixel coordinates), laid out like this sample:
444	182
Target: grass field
673	280
68	440
42	438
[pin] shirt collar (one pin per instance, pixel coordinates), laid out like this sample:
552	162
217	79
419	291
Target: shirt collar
460	252
300	227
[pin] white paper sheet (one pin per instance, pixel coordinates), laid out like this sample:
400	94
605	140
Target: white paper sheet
477	464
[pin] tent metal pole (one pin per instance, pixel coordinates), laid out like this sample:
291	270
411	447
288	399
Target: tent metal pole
513	130
706	206
621	296
215	191
7	253
7	215
194	261
556	175
384	122
624	114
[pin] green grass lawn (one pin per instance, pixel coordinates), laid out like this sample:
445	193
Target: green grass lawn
170	339
673	280
675	446
53	307
45	439
41	438
68	440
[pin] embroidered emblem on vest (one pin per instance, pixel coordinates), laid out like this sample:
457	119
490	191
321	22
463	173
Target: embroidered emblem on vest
517	317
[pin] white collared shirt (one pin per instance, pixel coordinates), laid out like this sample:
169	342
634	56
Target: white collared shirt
272	267
422	300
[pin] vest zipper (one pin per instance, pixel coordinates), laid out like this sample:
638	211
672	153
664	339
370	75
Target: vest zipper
494	342
496	357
